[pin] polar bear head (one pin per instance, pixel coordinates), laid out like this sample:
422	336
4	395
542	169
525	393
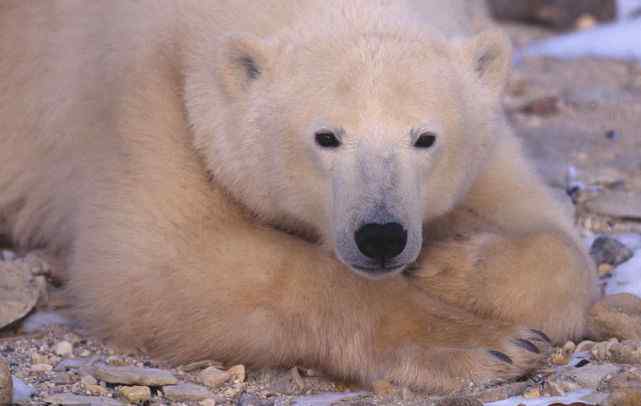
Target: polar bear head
353	135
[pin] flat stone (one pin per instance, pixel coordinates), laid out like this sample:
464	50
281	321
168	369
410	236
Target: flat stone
75	363
186	392
626	205
590	376
606	250
126	375
6	383
68	399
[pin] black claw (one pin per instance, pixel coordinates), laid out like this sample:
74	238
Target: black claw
503	357
527	345
542	335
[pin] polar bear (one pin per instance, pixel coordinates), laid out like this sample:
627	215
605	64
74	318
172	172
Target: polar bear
324	183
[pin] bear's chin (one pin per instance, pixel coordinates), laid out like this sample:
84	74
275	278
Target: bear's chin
377	273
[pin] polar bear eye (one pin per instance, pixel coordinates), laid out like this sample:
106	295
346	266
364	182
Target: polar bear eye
327	139
425	140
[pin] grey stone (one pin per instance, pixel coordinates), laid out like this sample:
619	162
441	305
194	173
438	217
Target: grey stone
135	376
607	250
185	392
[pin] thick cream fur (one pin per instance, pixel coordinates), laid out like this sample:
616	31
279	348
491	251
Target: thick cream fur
197	219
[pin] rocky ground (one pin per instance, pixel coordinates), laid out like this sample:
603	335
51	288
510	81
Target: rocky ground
581	123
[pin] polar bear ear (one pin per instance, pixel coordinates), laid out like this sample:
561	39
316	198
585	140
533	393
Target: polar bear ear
242	60
490	54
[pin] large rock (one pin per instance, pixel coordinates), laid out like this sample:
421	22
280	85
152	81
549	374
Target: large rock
560	14
19	292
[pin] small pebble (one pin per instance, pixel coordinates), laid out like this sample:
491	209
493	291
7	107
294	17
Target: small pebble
569	347
135	394
585	346
560	357
207	402
97	390
532	393
41	368
64	349
605	270
237	373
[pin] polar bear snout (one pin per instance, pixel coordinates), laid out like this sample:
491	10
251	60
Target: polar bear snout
381	242
378	244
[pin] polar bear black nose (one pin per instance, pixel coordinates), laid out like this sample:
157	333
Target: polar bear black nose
381	241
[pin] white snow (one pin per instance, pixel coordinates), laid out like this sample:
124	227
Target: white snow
543	401
627	7
621	40
627	277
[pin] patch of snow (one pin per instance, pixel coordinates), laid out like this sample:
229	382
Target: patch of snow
632	241
21	391
621	40
543	401
627	277
626	8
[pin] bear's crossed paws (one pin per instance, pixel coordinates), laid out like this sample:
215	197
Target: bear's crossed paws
445	369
